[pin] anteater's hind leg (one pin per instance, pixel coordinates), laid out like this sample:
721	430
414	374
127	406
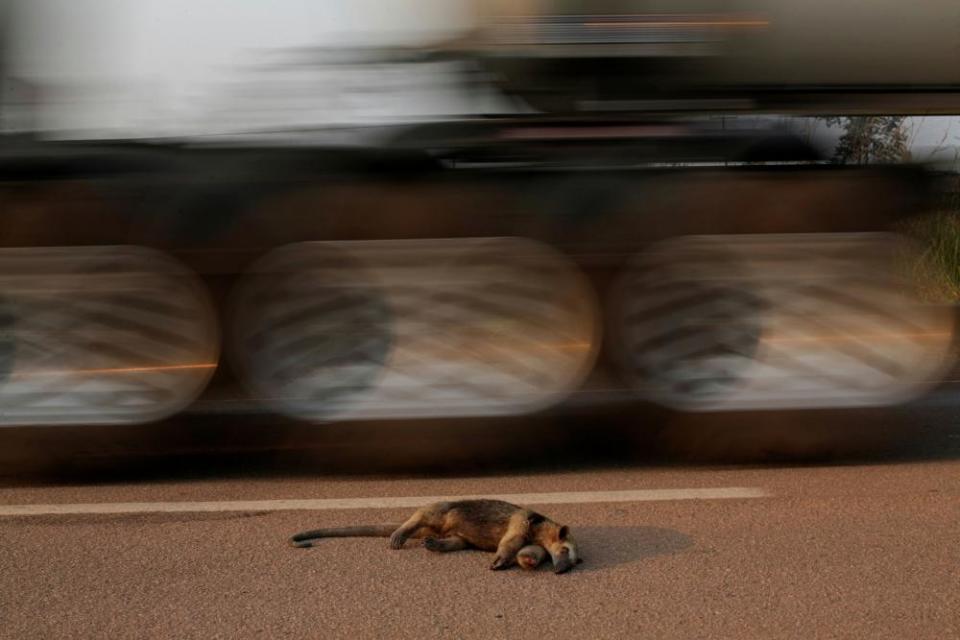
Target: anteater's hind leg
420	525
445	545
531	556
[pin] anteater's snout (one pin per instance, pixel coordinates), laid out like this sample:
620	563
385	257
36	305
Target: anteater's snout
562	562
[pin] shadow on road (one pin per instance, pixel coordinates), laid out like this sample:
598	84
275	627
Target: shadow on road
607	547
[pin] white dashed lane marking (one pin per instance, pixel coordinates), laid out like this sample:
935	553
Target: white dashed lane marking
329	504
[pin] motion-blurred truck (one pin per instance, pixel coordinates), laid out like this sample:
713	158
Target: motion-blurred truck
594	203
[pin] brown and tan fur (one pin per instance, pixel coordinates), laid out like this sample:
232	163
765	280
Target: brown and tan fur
515	533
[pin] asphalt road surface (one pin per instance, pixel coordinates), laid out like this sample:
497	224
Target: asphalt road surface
866	548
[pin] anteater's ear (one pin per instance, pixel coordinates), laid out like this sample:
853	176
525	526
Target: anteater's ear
564	531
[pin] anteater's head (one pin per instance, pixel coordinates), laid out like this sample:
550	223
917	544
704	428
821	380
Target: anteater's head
561	546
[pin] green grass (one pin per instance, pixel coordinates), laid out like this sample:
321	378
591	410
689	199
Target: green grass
936	269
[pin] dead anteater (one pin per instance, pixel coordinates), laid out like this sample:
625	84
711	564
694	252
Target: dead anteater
490	525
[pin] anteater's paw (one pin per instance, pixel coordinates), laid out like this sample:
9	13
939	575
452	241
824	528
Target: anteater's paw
397	541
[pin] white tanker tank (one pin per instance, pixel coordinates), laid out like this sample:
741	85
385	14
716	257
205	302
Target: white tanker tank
106	68
836	56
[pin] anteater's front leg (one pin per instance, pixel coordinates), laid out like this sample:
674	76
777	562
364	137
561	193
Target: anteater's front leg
507	551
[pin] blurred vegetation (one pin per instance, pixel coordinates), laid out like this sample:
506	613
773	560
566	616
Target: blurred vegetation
869	139
936	268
